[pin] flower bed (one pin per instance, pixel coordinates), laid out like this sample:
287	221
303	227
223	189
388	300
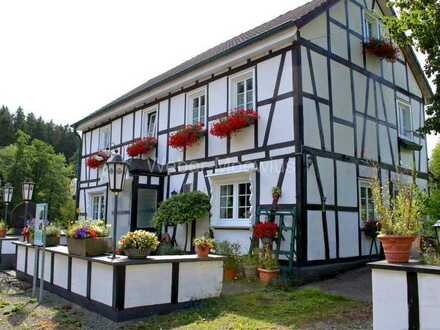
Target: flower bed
142	146
382	49
98	159
88	239
186	137
235	121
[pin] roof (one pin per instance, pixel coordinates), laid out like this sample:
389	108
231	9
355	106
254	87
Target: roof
298	17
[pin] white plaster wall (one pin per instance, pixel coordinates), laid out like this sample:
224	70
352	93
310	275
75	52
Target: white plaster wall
347	187
243	139
400	75
337	11
338	39
325	167
267	74
177	112
116	131
95	140
162	149
348	234
127	127
21	258
196	151
344	139
163	115
341	92
315	31
286	76
79	276
137	123
101	284
47	265
354	17
269	173
217	96
282	121
60	270
429	300
216	145
311	130
315	235
30	261
241	237
390	308
200	280
148	284
7	247
263	113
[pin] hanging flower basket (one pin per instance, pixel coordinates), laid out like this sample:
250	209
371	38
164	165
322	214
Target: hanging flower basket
235	121
186	137
98	159
142	146
382	49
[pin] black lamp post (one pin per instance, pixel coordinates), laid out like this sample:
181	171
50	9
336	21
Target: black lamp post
26	194
437	231
7	197
116	169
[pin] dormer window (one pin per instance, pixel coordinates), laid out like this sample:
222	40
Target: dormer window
149	122
405	120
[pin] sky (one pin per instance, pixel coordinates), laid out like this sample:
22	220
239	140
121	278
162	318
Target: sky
64	59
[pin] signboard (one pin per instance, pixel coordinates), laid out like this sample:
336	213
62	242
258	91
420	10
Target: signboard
40	223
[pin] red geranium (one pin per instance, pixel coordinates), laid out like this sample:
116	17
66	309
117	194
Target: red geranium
382	49
142	146
265	230
186	137
236	120
98	159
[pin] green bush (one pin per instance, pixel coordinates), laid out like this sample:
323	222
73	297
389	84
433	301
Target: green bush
231	252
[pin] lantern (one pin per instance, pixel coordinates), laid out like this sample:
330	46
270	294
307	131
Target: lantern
27	190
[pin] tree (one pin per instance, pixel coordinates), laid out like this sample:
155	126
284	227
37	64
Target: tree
418	25
7	135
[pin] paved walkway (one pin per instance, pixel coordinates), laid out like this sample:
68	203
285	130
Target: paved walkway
355	284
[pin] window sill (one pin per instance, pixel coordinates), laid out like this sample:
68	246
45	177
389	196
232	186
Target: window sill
231	224
408	143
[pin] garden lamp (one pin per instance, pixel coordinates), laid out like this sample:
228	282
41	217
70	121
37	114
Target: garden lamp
116	169
26	194
7	197
437	231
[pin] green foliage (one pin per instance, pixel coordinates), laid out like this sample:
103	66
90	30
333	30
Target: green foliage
139	239
402	215
267	260
249	259
182	208
418	25
434	164
166	248
3	225
204	242
430	256
231	252
53	230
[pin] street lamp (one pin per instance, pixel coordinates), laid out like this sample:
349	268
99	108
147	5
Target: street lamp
437	231
26	194
116	169
7	197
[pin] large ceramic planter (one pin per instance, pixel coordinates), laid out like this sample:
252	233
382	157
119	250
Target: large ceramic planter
250	272
229	273
202	251
52	241
133	253
89	247
396	248
267	275
2	232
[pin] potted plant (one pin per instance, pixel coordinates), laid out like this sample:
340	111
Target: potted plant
203	246
381	48
276	194
142	146
268	267
3	228
88	239
186	136
138	244
399	220
98	159
249	263
231	264
52	235
235	121
266	231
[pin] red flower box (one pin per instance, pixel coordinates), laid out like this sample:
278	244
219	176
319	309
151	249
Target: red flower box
186	137
382	49
236	120
98	159
265	230
142	146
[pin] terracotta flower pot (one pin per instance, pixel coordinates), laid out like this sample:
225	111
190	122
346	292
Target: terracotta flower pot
396	248
229	273
2	232
202	251
267	275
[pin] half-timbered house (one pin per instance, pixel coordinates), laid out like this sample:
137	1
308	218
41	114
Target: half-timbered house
326	109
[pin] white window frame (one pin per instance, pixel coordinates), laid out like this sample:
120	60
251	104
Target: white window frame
402	103
100	197
233	82
365	183
371	18
145	129
199	93
105	137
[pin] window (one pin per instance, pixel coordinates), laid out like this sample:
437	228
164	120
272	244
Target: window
235	201
104	138
149	122
371	26
197	107
367	203
242	91
405	120
98	207
227	201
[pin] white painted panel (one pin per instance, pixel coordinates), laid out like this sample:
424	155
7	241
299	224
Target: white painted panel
79	276
30	260
116	131
385	152
315	31
85	145
390	104
354	17
242	237
95	140
338	38
267	74
197	151
176	182
263	113
200	280
413	86
288	188
429	300
315	236
406	158
7	247
101	283
147	285
337	11
305	72
356	51
216	146
127	127
348	234
177	112
60	266
344	139
163	115
325	166
360	87
370	151
416	108
373	63
21	258
175	155
217	96
243	139
347	187
311	129
387	70
137	123
390	300
341	91
320	72
400	74
282	121
286	77
269	172
162	149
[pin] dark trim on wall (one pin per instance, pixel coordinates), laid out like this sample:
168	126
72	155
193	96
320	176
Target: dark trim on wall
174	282
118	287
413	301
89	278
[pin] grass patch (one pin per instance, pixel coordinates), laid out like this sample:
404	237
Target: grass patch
263	309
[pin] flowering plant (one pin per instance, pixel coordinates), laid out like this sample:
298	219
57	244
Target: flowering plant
204	242
88	229
381	48
236	120
186	137
265	230
98	159
142	146
139	239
